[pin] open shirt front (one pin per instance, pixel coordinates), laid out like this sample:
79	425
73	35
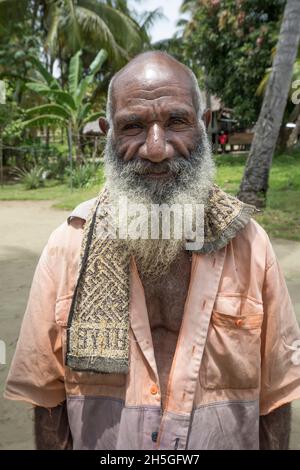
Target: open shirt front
236	356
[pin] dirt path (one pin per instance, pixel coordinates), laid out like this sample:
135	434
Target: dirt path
24	229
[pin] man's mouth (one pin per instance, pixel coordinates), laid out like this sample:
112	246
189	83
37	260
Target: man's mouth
158	175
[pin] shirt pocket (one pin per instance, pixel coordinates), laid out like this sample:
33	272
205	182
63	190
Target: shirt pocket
231	358
62	310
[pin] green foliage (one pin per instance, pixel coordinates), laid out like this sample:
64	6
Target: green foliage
70	108
295	77
11	116
67	106
36	34
33	178
19	40
57	167
65	26
85	175
281	218
232	39
85	24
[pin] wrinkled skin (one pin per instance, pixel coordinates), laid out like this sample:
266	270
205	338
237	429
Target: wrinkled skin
155	120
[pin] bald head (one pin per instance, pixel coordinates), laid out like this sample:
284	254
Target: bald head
150	69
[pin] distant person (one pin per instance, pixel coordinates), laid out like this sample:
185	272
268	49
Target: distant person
223	139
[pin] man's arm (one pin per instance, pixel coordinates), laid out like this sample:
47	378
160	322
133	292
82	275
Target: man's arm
275	428
51	427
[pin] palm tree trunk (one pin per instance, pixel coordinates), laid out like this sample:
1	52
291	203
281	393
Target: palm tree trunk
79	155
254	185
47	137
70	142
208	103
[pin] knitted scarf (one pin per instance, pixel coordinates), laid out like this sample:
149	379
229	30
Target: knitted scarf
98	323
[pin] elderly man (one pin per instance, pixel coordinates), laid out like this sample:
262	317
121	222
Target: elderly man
151	343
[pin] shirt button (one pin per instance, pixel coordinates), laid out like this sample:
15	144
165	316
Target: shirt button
154	436
239	322
153	389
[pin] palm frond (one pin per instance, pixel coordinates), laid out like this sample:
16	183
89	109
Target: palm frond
51	108
87	81
38	87
120	5
45	120
96	31
148	18
75	71
51	41
98	62
63	98
82	89
126	32
93	117
47	76
262	86
188	6
84	111
182	23
296	70
72	18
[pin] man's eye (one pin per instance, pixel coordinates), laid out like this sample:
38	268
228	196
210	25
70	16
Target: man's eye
133	125
177	121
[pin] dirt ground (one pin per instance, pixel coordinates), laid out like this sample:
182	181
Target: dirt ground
24	229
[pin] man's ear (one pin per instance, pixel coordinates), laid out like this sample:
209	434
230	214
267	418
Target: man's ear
103	124
206	117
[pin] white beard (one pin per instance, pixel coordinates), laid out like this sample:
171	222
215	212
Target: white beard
190	186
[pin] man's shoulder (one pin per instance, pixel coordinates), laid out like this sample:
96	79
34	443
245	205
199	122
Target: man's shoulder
82	210
254	241
67	237
253	231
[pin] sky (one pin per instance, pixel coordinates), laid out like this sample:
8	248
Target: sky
164	28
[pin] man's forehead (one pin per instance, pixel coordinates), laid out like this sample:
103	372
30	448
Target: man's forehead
152	81
168	97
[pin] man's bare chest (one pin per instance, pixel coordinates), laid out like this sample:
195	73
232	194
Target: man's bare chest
165	298
165	301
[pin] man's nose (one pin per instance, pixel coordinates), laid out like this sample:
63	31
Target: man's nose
155	148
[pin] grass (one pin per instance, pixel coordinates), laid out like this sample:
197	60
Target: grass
281	218
60	194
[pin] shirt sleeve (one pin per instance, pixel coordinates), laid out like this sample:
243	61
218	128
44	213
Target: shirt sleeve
36	374
280	363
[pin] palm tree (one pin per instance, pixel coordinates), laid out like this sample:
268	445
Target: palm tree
254	185
68	108
294	115
87	25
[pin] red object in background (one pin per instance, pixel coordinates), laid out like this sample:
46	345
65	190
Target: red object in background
223	138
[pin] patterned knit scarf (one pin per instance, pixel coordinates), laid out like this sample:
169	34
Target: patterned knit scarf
98	324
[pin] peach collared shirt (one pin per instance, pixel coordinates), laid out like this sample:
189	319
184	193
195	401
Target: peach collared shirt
236	356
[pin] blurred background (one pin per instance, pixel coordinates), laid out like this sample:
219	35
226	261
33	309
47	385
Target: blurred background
56	60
